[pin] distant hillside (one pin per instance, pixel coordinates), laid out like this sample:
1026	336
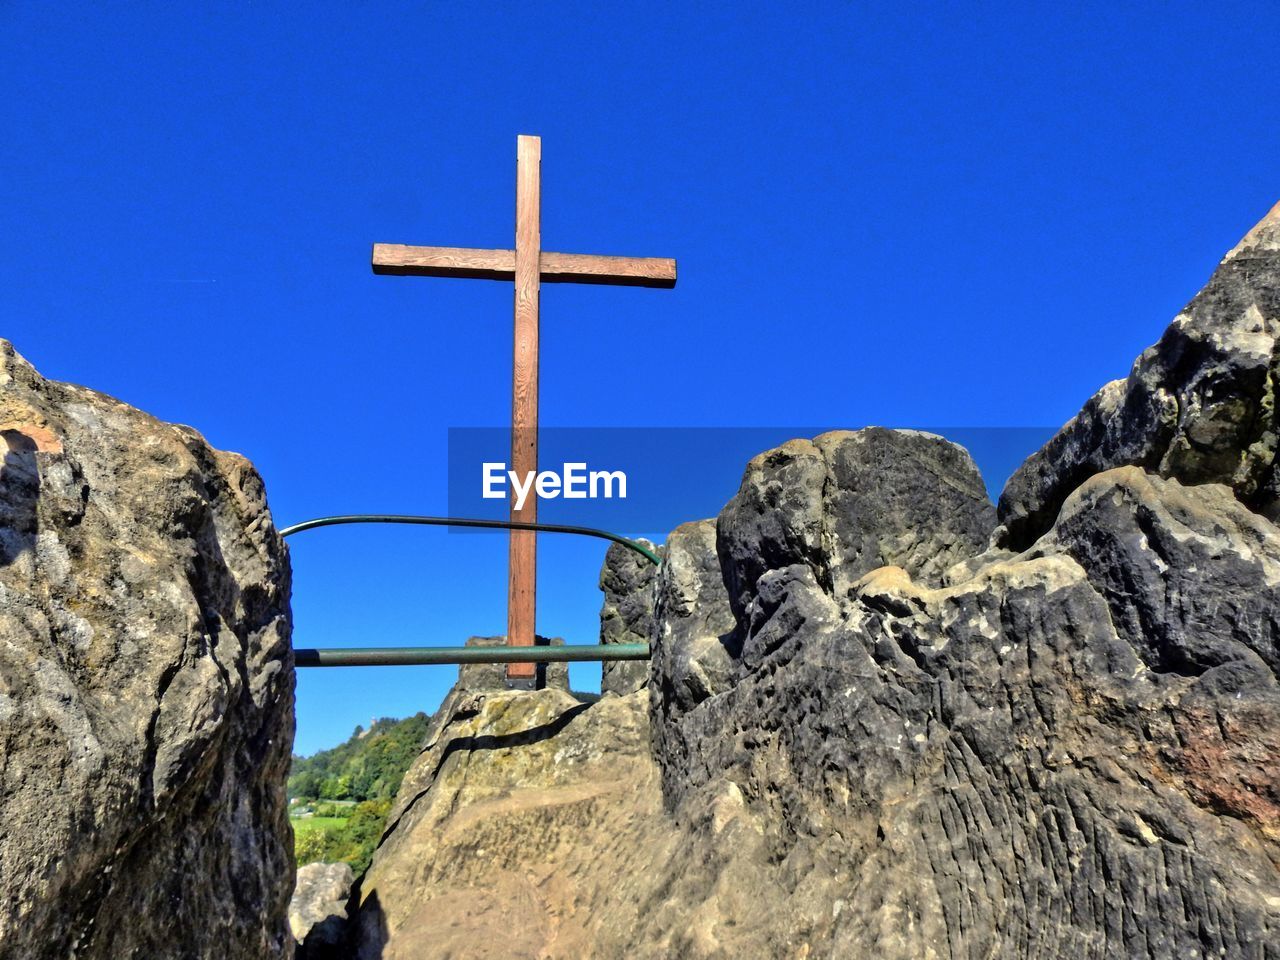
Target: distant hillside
369	766
339	798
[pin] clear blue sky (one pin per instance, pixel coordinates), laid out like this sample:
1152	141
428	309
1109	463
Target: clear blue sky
884	213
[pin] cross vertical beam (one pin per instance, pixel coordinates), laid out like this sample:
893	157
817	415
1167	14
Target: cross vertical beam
523	548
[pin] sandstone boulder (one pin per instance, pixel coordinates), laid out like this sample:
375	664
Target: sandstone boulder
848	502
318	910
146	686
1009	762
694	641
513	835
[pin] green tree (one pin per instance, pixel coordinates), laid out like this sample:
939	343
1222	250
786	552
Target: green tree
353	842
367	769
336	788
306	784
373	764
310	846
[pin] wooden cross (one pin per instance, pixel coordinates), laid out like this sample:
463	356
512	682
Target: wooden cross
527	265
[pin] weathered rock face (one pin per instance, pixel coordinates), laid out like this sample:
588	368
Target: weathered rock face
626	616
514	833
1065	752
1190	579
848	502
823	512
694	644
146	686
875	735
1200	405
998	768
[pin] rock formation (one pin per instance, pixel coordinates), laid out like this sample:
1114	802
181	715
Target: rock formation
514	796
848	502
884	721
626	580
694	644
1200	405
318	910
146	686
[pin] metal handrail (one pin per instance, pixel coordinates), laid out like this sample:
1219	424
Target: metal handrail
410	656
471	522
414	656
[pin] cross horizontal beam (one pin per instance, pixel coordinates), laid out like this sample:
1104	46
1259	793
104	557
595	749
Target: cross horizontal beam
402	260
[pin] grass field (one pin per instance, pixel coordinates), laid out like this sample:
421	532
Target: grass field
304	825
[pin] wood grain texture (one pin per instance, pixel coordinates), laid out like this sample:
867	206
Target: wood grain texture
523	550
400	259
615	271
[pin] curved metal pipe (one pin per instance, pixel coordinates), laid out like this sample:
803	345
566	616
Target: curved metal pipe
469	522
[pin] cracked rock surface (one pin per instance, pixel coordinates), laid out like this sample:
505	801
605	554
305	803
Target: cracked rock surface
146	686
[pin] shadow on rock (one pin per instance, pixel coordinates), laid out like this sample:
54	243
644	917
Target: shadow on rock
19	494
